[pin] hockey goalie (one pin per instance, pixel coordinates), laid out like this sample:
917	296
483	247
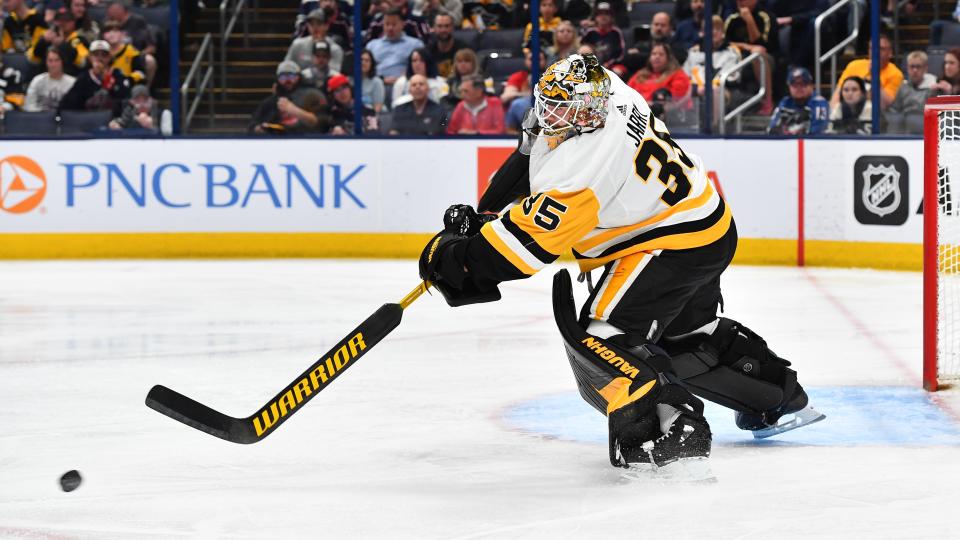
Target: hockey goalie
598	173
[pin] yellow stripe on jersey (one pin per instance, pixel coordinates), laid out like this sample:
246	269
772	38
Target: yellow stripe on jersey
543	226
671	241
501	246
687	204
619	280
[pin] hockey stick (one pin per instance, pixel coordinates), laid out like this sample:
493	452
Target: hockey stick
311	382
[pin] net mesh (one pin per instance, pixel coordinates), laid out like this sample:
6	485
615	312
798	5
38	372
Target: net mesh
948	245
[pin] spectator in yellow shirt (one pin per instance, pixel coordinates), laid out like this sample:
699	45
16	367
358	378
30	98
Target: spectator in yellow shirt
890	76
126	57
548	22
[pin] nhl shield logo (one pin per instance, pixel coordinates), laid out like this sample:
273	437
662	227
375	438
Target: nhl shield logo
881	190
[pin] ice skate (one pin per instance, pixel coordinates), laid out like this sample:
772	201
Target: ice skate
794	414
678	455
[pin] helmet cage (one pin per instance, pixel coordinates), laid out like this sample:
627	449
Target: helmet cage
555	116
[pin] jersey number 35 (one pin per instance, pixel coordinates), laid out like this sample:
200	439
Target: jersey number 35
671	173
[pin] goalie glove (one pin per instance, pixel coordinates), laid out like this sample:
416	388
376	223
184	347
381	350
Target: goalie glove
463	220
441	261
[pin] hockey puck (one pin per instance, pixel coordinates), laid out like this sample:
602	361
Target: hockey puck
70	481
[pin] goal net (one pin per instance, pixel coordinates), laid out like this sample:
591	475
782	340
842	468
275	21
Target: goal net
941	231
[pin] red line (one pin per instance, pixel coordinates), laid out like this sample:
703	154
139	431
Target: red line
861	327
945	405
801	256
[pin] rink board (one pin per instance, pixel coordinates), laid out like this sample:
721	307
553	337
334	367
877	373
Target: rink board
818	202
856	416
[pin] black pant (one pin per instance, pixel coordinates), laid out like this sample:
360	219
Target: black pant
671	293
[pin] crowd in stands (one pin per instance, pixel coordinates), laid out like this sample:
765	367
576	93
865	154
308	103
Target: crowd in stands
426	72
81	55
432	67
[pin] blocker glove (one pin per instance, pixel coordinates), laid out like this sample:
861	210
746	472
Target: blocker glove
441	261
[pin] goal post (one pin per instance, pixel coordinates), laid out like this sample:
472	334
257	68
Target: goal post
941	241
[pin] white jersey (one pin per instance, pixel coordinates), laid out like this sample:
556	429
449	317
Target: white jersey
621	189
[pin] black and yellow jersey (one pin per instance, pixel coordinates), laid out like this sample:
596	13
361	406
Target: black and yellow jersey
21	34
130	62
622	189
78	44
73	51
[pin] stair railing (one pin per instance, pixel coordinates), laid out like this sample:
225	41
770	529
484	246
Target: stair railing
832	54
226	28
753	100
896	25
188	103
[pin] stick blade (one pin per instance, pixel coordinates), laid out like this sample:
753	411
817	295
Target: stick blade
198	416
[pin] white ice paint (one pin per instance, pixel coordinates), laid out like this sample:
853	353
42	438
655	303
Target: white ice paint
413	442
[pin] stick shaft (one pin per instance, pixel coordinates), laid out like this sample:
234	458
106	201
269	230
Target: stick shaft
291	399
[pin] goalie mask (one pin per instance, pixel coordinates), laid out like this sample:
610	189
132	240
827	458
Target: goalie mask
572	94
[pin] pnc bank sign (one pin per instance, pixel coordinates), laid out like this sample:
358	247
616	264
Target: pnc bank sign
24	184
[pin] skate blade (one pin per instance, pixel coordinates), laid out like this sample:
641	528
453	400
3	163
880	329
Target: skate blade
694	470
804	417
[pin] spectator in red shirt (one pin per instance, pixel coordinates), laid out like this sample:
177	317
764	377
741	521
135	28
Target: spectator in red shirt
518	84
605	38
477	113
661	71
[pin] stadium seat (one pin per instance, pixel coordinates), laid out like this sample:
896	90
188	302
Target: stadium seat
501	67
935	56
510	39
949	35
157	16
482	54
19	123
97	13
783	35
643	12
629	37
468	36
385	121
347	66
78	122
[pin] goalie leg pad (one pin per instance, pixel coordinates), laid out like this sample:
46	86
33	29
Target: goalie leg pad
603	368
734	367
651	418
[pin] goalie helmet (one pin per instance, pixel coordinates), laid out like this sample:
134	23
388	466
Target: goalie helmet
572	94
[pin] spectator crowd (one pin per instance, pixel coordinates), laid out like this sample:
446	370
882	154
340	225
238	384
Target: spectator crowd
81	55
432	67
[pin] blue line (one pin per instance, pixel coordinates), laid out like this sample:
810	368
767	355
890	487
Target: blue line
856	416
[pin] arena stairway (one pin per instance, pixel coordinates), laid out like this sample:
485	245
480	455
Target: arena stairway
250	70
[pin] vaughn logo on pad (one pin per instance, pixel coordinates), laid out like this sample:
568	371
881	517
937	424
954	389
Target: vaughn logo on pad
881	194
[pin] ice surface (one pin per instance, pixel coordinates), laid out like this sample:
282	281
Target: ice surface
421	439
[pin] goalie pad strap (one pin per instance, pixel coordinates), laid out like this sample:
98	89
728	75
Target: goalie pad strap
732	367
